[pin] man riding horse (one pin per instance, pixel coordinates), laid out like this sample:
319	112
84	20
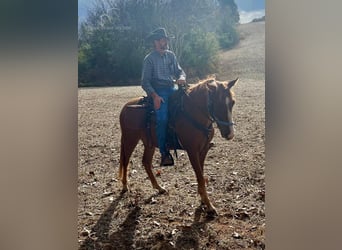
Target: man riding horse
160	72
208	102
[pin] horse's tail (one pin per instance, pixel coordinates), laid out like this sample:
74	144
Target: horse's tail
122	155
122	151
122	148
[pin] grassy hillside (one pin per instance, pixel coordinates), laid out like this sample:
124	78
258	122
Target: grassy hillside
248	57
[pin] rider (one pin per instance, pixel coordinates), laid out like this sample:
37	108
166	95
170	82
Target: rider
160	73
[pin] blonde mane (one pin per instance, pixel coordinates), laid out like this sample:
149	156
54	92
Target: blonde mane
202	83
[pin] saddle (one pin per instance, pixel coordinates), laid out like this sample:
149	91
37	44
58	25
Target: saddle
172	141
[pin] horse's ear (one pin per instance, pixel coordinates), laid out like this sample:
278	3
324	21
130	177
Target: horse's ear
232	83
212	85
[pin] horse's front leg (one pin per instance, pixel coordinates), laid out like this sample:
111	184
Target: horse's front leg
197	164
147	163
203	154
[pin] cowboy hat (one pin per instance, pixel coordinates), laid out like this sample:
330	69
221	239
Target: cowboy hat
158	34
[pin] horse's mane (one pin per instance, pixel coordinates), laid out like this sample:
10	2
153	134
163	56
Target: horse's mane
203	84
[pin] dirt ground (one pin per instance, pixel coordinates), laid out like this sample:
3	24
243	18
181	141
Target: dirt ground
142	219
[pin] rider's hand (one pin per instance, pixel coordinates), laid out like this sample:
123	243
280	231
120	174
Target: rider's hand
157	100
180	82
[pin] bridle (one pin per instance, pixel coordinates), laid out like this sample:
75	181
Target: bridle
213	117
210	114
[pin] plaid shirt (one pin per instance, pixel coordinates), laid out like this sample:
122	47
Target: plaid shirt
160	70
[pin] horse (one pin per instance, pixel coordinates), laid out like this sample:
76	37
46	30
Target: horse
202	104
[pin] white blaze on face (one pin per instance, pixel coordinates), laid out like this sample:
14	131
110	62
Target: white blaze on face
229	115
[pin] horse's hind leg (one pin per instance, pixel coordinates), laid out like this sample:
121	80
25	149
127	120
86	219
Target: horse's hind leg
128	143
147	163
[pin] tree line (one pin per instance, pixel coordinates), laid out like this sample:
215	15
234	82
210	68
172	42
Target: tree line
112	40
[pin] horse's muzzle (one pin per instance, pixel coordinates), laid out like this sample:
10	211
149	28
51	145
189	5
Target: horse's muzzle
227	133
230	136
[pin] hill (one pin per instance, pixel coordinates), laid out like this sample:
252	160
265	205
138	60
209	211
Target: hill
247	59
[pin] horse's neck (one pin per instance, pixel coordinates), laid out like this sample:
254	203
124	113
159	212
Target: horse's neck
199	97
198	100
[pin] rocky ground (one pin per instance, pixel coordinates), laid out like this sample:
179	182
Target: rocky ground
142	219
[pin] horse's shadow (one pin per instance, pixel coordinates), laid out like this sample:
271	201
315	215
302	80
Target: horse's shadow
190	235
99	237
123	238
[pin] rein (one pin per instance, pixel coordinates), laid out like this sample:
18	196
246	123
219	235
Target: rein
198	125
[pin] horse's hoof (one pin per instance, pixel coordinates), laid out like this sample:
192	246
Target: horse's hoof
162	191
124	190
211	214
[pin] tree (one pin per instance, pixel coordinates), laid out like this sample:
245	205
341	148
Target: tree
112	40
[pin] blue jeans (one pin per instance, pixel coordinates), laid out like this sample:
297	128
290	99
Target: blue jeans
162	117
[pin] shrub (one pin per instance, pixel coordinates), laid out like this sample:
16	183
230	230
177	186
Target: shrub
200	53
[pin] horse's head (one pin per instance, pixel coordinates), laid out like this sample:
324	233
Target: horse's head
221	102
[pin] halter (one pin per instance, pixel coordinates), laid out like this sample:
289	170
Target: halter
219	122
213	118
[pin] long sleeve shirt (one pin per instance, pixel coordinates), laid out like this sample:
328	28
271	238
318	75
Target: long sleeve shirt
160	70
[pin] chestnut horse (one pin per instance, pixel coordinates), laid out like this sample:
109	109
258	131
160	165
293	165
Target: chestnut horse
201	105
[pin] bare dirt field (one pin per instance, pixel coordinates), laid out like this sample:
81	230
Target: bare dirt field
142	219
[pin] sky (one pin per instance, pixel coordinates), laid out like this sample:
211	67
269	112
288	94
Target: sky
83	5
248	9
250	5
248	16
